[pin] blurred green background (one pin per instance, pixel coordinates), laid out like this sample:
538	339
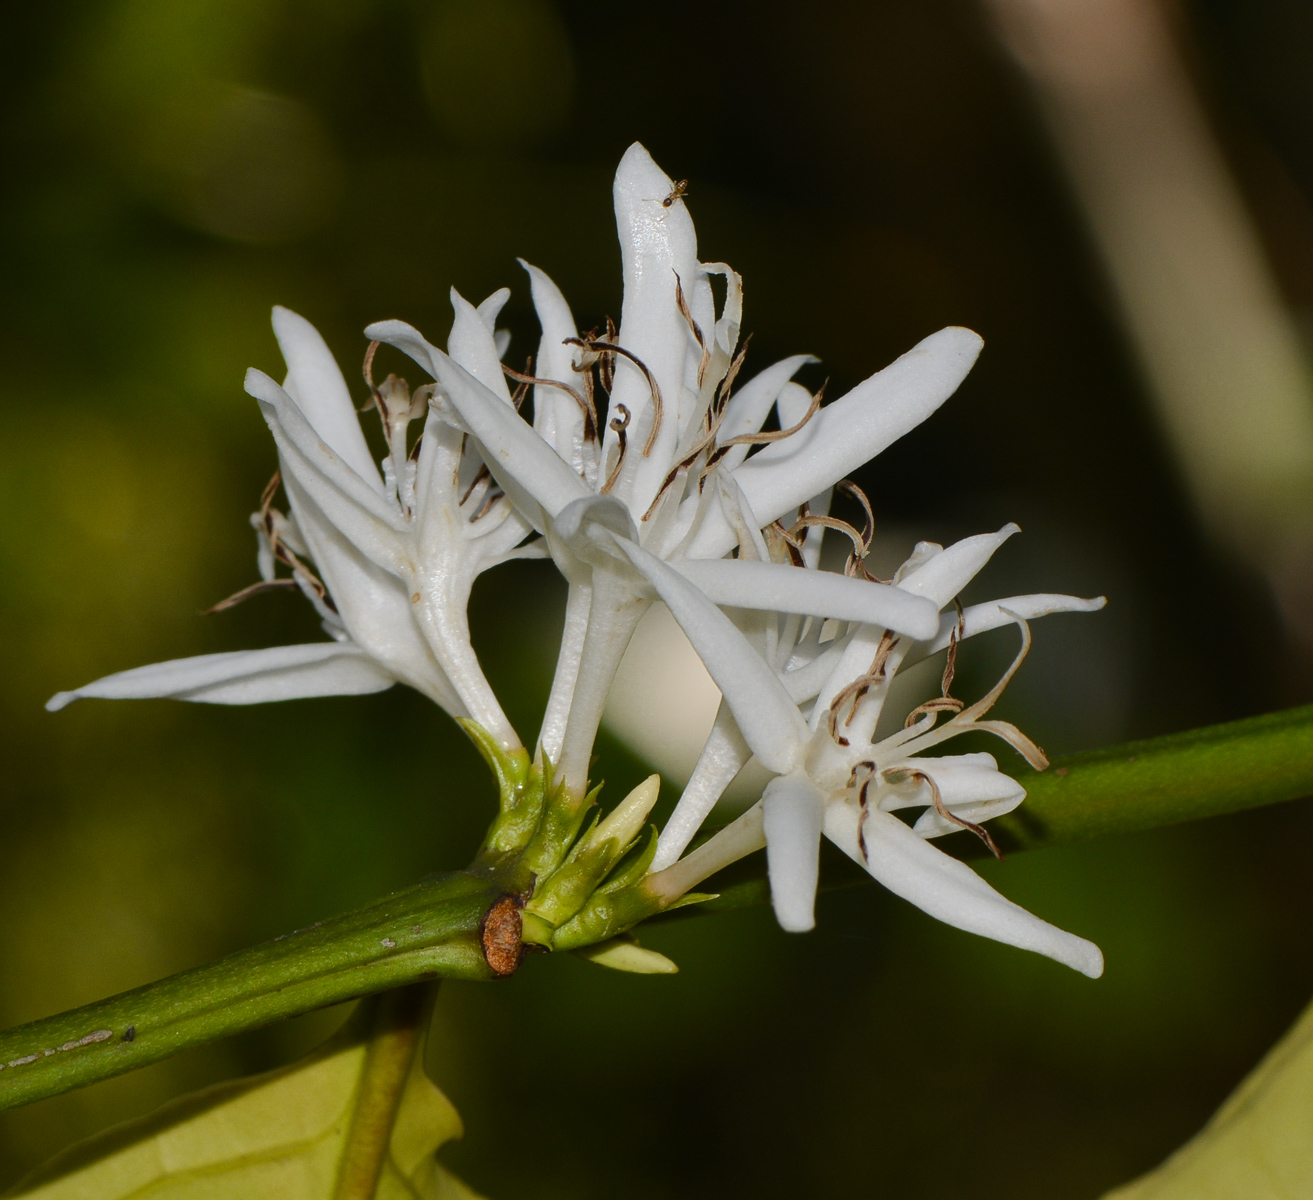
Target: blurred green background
875	171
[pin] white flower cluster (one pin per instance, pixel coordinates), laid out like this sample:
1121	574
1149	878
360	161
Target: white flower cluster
653	496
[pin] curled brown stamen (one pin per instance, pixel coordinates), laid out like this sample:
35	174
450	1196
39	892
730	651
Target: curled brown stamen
941	704
777	435
254	589
954	641
658	408
267	496
869	768
585	403
619	423
810	519
791	545
693	327
952	818
847	485
367	370
726	387
483	474
494	494
856	691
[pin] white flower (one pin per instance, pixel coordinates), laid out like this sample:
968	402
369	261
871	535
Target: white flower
835	777
669	471
394	554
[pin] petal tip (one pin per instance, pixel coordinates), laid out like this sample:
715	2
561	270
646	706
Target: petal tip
60	700
1089	962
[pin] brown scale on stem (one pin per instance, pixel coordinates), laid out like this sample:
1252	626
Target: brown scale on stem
499	935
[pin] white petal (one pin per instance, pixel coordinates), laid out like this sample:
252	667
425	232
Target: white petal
944	575
981	618
768	719
792	813
740	583
523	464
656	244
849	432
491	308
244	677
952	892
751	404
723	756
315	382
366	519
472	345
961	779
970	786
374	605
556	414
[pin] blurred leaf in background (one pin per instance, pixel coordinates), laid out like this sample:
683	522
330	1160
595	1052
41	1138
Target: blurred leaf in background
875	172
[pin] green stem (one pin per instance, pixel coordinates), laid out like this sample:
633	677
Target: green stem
396	1021
432	930
437	929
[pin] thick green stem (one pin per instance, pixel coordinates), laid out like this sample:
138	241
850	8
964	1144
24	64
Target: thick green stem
433	930
456	925
396	1023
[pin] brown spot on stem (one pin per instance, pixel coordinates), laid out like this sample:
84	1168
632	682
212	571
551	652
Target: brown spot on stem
500	935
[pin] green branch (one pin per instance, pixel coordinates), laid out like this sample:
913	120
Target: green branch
432	930
438	929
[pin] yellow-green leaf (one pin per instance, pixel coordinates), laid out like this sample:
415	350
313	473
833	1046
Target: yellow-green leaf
281	1135
1258	1146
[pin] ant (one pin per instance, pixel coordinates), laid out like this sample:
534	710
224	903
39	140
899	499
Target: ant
678	192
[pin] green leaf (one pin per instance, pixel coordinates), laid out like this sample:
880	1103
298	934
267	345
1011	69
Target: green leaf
287	1134
1259	1145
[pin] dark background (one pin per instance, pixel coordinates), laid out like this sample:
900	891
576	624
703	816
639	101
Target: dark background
875	171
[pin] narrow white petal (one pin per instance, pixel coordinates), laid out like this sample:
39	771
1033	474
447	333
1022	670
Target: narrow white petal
472	345
970	786
849	432
952	892
961	779
768	719
740	583
723	756
525	466
792	812
373	526
656	245
491	308
751	404
981	618
556	414
944	575
315	382
805	681
244	677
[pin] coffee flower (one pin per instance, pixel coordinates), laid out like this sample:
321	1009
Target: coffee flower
386	557
810	715
666	467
